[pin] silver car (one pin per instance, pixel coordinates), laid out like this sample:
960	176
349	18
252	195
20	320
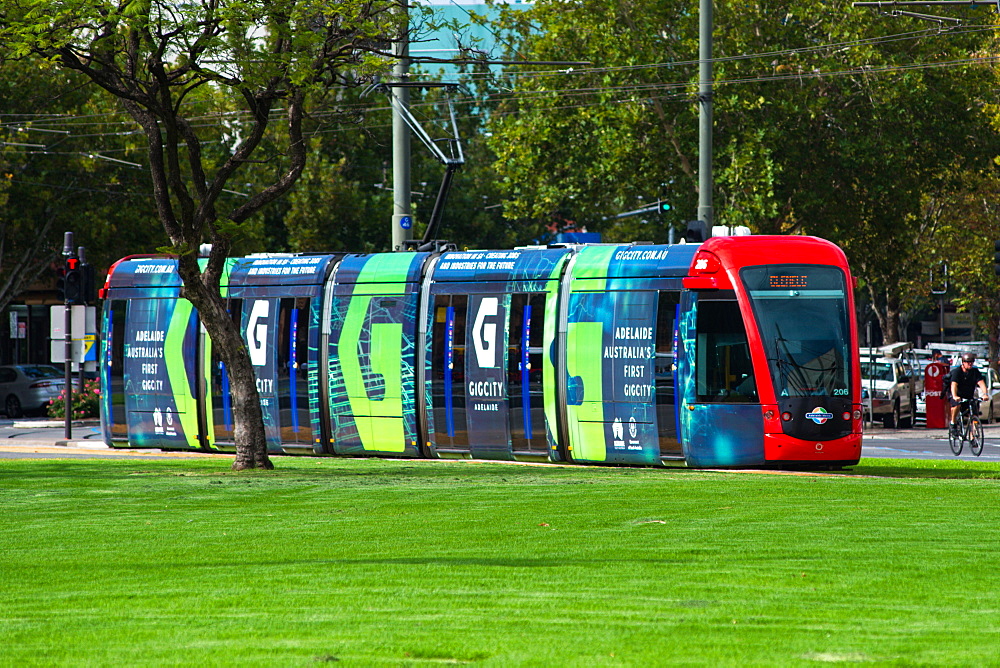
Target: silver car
29	387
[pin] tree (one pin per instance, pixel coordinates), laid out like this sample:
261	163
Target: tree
829	121
866	120
966	243
171	65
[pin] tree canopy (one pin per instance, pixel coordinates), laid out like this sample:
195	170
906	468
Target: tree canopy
220	90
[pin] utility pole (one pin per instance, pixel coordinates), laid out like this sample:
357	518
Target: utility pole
69	297
705	185
402	217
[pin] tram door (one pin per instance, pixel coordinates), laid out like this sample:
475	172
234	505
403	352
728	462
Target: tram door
487	375
526	374
721	420
117	310
664	371
450	432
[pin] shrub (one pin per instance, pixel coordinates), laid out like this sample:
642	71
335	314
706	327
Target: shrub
86	404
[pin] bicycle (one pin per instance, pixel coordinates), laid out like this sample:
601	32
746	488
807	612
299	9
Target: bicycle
969	429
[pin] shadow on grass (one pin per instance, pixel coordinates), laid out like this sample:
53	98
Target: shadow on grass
926	468
86	472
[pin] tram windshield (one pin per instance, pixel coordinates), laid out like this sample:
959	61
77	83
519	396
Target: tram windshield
804	325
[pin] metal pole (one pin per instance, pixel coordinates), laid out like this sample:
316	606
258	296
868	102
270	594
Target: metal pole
68	349
941	311
705	185
68	344
402	218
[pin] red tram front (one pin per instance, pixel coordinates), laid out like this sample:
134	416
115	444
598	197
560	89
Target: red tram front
796	301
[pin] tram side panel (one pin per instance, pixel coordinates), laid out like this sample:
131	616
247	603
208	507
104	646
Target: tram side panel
149	361
372	347
489	370
619	334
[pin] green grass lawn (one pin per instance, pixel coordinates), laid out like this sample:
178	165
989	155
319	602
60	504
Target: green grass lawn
372	562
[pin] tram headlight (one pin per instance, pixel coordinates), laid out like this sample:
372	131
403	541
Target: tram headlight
786	416
846	415
857	414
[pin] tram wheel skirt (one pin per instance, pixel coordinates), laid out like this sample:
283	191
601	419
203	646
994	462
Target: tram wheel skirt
782	448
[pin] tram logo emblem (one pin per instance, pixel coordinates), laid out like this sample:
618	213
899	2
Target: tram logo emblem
257	333
484	334
618	434
819	415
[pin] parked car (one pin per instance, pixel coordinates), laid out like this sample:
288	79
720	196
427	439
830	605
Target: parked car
894	386
29	387
989	408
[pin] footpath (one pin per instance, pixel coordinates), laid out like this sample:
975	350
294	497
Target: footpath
48	437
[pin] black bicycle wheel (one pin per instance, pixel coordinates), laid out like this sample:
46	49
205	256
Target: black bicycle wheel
976	436
955	436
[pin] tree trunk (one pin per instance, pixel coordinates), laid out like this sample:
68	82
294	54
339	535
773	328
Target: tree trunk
248	421
891	332
888	318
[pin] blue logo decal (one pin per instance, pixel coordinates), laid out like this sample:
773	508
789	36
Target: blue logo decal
819	415
406	222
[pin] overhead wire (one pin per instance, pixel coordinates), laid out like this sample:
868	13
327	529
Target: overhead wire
632	93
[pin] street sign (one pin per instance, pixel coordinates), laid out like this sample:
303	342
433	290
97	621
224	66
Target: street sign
406	222
84	329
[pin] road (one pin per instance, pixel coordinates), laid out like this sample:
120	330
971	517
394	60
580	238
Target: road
921	443
46	438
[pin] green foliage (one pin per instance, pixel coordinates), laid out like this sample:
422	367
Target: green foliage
86	404
402	562
829	120
582	143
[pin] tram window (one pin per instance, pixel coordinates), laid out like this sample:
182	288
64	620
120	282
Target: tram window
724	371
804	325
666	311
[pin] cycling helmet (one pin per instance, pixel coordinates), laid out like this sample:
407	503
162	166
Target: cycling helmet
969	357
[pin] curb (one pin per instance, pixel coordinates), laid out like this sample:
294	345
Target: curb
83	445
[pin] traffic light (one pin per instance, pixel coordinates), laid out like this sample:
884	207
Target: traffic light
72	282
697	232
61	283
996	257
663	207
87	292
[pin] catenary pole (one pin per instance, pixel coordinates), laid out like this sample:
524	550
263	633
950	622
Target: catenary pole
705	185
402	218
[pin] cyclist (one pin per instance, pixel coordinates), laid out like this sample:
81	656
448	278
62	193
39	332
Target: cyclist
963	380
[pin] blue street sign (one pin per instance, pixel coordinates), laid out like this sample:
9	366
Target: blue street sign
406	222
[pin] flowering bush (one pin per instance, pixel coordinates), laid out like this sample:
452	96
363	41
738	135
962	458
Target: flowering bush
86	404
